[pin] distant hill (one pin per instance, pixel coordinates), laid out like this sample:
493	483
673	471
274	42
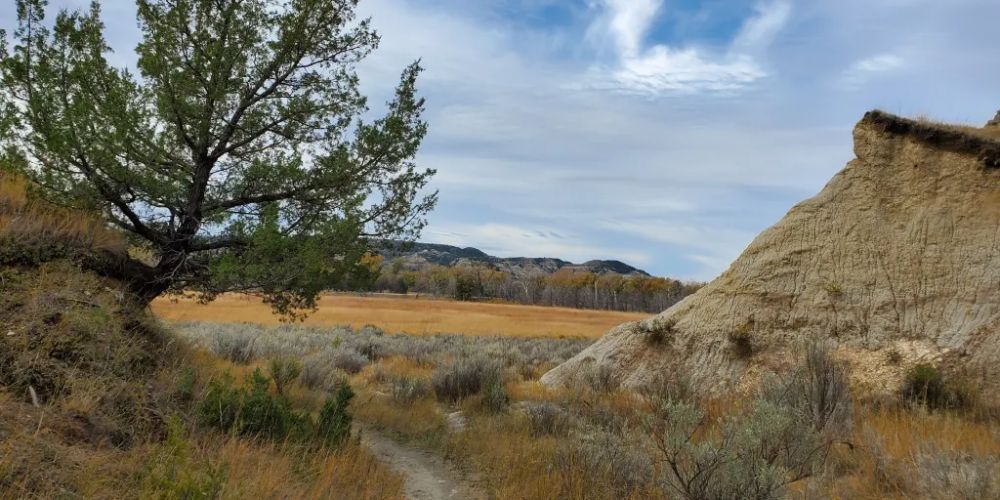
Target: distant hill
416	256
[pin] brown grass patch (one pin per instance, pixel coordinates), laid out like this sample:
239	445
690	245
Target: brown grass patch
35	222
415	316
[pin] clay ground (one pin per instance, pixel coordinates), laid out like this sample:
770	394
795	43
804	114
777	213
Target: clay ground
415	316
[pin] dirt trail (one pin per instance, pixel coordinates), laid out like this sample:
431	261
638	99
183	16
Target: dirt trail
428	476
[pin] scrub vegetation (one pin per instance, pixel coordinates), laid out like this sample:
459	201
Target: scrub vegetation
477	401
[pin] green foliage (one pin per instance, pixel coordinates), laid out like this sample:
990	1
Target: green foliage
252	411
220	406
248	411
741	339
495	398
173	474
284	371
925	384
467	285
334	425
237	153
783	436
264	415
185	384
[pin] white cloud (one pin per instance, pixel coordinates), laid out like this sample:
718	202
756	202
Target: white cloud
861	71
665	69
759	31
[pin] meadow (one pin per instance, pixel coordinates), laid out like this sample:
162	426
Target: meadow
476	401
409	314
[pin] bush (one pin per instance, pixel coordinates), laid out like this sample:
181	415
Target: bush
319	372
349	360
495	398
784	436
609	465
818	391
958	475
172	473
925	384
249	411
547	419
334	425
234	346
284	371
741	342
598	378
406	390
253	412
672	386
464	378
660	329
263	415
220	407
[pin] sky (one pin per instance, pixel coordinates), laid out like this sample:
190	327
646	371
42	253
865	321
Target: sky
663	133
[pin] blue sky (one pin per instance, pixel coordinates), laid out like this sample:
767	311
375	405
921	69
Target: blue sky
664	133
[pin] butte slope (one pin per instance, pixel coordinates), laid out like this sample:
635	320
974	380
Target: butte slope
897	259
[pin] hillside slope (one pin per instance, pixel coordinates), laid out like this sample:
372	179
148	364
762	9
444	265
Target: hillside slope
419	255
897	259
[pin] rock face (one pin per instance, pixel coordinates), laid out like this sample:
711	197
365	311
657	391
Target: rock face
897	259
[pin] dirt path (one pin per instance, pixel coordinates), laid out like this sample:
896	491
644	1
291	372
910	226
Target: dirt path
428	476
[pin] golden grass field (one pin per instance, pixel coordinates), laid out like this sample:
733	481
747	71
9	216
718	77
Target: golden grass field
416	316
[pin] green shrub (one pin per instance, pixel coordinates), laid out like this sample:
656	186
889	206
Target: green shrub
495	398
924	384
284	371
741	340
185	384
172	473
220	406
248	411
784	435
252	411
334	425
263	414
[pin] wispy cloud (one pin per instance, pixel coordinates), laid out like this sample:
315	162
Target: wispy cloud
861	71
661	68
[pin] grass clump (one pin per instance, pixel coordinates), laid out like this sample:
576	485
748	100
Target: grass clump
173	472
407	390
464	378
926	385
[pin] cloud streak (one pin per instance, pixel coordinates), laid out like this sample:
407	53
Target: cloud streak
660	68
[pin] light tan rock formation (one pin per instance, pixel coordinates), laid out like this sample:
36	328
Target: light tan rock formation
897	259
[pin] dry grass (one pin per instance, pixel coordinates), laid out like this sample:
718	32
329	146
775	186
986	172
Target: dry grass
415	316
597	447
992	133
35	222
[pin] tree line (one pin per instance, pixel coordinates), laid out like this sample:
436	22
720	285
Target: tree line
564	288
